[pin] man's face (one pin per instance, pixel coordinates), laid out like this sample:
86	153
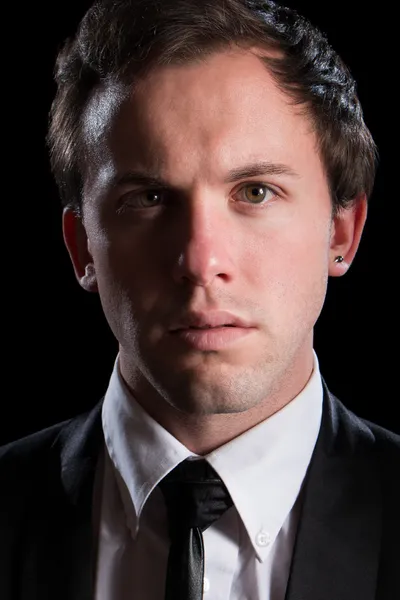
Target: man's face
257	247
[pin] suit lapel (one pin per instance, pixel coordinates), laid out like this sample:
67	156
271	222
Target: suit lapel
338	539
62	560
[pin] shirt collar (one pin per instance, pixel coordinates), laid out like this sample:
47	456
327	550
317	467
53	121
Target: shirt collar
263	468
141	450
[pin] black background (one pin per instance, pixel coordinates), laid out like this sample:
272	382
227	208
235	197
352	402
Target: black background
58	351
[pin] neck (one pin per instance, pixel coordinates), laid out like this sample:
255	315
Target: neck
203	433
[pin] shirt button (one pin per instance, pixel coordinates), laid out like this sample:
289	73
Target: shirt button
263	538
206	584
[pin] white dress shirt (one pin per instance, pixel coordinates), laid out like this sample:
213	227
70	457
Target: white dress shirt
248	551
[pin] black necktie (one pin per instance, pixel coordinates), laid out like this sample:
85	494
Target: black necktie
195	497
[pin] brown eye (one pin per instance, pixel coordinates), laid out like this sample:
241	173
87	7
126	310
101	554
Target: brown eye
147	199
143	199
257	193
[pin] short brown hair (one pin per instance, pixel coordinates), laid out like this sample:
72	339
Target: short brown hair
123	40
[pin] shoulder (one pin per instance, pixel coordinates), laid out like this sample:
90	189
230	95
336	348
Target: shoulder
32	447
386	443
35	471
26	463
360	438
38	455
383	437
29	469
367	432
28	449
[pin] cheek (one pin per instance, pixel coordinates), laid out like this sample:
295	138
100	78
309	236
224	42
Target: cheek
123	257
289	267
119	299
131	283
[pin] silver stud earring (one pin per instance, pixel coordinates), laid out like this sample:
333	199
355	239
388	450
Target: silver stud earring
339	259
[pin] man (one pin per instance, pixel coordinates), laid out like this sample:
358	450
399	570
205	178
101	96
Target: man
215	170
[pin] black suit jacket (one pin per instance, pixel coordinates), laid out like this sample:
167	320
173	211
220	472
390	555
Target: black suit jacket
347	545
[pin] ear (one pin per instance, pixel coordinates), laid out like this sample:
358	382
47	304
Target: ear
78	246
346	231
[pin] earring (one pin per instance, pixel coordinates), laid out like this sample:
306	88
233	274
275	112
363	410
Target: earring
89	269
339	259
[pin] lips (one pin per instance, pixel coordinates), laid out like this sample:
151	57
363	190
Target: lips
210	339
206	327
209	320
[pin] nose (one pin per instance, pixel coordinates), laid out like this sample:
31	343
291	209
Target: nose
205	245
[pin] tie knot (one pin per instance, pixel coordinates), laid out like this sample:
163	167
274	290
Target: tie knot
195	496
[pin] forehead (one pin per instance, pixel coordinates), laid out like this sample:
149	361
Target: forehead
197	117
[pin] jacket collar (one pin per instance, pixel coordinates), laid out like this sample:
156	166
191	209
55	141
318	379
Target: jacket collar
79	444
338	539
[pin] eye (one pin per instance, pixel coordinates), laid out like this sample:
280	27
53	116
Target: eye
257	194
146	198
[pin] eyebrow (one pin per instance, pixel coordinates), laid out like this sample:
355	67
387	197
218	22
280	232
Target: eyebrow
249	170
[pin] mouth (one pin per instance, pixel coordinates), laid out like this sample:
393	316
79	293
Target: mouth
205	327
208	338
203	320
